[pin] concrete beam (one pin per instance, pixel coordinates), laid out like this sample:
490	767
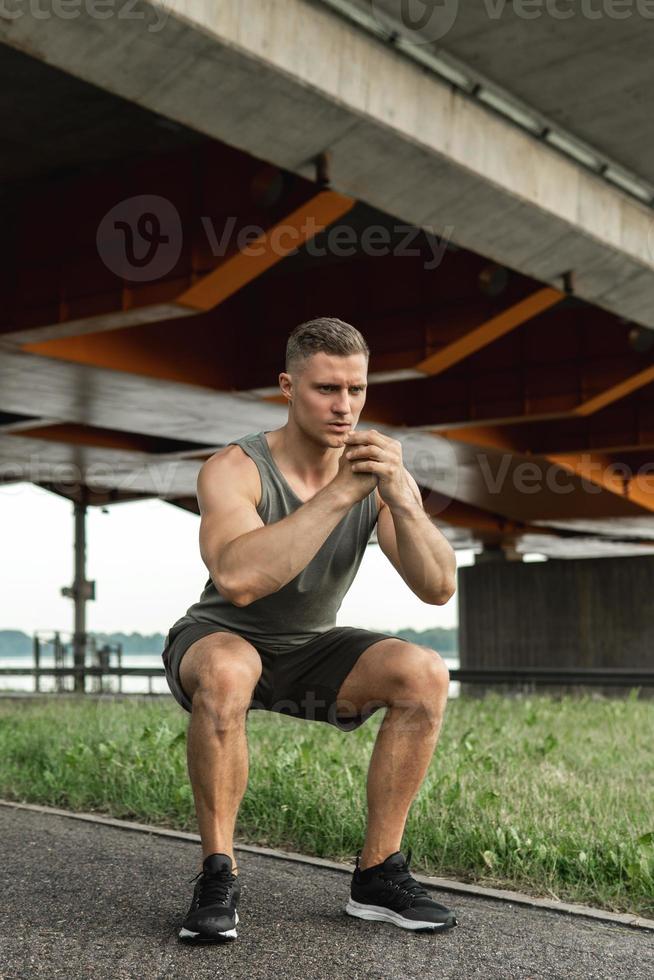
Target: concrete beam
286	80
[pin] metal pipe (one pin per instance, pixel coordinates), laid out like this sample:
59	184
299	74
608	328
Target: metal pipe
79	594
37	664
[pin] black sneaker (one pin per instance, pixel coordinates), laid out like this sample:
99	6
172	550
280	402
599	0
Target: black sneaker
388	893
212	917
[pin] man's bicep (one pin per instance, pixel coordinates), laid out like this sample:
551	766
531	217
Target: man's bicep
227	508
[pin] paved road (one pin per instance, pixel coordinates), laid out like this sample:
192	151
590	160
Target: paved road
82	900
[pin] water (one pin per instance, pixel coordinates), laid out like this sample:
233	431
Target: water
131	685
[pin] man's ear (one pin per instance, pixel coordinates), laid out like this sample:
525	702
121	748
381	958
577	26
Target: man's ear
286	385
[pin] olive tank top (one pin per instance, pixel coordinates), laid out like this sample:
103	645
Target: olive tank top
307	605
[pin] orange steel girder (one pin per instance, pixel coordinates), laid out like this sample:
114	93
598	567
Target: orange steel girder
472	341
616	392
266	250
271	247
611	475
486	333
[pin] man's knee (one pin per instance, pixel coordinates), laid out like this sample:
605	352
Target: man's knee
221	675
420	674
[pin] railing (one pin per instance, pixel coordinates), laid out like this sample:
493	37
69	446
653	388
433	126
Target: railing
97	661
96	672
598	676
609	676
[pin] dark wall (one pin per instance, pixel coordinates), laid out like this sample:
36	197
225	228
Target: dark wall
584	612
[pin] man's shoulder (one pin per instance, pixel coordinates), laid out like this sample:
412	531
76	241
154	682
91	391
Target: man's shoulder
231	465
225	457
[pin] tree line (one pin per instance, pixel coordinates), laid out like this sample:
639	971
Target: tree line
15	643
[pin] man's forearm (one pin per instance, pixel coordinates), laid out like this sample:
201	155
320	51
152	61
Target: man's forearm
261	562
427	558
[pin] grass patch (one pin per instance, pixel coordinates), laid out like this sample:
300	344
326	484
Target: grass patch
550	796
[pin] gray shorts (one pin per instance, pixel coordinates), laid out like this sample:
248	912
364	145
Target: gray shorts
303	683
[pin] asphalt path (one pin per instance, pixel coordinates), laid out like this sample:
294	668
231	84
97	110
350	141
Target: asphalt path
84	900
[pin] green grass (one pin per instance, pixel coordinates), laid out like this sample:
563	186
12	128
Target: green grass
551	796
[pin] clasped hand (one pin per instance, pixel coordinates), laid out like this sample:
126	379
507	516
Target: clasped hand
371	452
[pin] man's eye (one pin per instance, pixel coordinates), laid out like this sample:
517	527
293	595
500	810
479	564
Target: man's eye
332	388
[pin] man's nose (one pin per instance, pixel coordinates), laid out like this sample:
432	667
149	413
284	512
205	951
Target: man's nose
342	403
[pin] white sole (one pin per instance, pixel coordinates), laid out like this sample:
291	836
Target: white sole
375	913
228	934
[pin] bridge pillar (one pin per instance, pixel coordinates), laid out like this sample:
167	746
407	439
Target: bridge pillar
589	613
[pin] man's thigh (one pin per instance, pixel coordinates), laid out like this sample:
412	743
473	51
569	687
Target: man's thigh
388	669
306	681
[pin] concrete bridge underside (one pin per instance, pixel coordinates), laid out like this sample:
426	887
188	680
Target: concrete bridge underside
399	137
510	350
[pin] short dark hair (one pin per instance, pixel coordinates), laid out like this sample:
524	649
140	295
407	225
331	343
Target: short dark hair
325	333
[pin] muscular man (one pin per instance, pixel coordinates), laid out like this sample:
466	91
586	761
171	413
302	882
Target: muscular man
285	519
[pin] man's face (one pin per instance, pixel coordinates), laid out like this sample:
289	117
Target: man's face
328	395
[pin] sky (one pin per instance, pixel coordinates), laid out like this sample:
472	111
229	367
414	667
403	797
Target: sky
146	563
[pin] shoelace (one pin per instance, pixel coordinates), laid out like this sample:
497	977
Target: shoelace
215	888
403	882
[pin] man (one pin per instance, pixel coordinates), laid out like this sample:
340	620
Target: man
285	519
